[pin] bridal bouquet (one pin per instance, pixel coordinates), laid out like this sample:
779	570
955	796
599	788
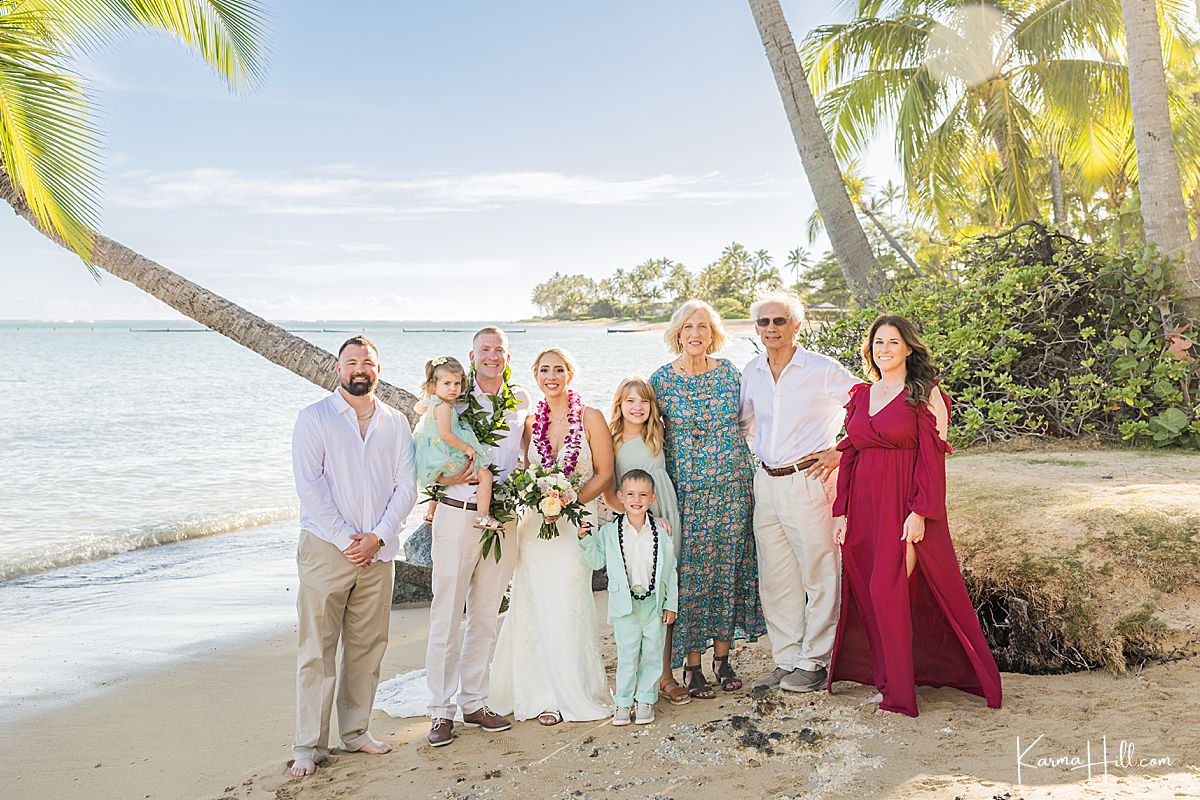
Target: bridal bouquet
551	492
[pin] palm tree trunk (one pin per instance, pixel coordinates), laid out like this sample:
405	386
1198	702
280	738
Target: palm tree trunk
849	242
892	241
1056	192
213	311
1160	187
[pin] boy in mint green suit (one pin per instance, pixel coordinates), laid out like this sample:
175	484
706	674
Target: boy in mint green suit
642	593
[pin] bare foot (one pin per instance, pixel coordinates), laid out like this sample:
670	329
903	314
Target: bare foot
874	699
376	748
303	767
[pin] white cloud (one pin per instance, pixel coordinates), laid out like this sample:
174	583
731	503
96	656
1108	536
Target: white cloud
341	190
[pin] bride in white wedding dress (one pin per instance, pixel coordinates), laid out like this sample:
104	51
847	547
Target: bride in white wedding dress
547	661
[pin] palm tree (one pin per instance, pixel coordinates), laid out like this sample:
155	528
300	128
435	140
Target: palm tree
798	261
987	101
1163	210
48	146
846	235
857	187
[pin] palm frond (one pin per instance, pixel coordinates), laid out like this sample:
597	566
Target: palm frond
833	53
229	35
921	111
854	111
48	146
1058	27
1013	126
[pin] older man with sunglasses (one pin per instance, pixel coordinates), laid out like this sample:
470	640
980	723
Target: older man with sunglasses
792	409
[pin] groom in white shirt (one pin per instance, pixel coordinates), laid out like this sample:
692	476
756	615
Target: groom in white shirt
456	665
353	462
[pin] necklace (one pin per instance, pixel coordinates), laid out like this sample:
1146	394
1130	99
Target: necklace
572	442
687	373
654	564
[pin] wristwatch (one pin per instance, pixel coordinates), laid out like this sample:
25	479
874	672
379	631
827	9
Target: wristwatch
380	540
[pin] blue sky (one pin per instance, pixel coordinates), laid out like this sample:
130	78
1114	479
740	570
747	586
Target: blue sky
434	160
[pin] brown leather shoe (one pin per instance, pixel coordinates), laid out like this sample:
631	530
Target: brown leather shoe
441	733
487	719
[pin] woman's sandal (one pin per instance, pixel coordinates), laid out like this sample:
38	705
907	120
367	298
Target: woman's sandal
670	690
729	680
697	684
549	717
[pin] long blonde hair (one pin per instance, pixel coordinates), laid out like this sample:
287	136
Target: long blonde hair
653	432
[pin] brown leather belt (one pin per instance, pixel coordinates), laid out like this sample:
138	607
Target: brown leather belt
450	501
779	472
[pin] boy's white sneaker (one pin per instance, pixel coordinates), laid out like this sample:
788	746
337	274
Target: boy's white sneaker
621	717
645	714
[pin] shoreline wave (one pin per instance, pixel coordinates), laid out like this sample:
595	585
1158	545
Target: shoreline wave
101	546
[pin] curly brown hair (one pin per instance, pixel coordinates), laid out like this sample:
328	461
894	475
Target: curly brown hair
920	373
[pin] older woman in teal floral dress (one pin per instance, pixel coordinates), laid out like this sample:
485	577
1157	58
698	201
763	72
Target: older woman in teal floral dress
709	462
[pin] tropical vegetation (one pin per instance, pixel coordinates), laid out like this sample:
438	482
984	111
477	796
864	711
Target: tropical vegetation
653	288
1042	335
1081	112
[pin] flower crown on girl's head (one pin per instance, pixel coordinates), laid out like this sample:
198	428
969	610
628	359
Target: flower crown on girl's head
431	368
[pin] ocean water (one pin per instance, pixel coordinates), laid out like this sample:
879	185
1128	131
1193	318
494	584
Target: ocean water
146	498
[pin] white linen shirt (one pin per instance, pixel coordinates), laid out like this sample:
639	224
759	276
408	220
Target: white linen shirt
638	552
349	483
507	451
800	413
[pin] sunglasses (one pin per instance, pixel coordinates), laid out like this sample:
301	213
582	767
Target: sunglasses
778	322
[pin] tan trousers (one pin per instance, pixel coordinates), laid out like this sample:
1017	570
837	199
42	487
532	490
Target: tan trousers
456	664
799	568
338	601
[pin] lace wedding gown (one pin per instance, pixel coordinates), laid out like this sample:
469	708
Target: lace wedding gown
548	653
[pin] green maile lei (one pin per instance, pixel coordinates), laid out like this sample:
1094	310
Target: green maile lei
488	425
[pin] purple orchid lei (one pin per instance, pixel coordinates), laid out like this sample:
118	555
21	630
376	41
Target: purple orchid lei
572	443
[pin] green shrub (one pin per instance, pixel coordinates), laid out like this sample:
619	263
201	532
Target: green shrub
1039	334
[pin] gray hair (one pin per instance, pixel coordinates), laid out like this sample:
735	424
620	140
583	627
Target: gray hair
789	300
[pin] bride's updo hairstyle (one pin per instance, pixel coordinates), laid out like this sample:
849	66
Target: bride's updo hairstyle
572	368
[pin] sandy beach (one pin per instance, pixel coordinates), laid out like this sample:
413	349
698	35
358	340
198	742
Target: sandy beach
219	728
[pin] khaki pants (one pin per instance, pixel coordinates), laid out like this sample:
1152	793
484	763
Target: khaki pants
799	568
456	664
338	601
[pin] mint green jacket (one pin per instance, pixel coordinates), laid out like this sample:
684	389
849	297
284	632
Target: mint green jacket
602	549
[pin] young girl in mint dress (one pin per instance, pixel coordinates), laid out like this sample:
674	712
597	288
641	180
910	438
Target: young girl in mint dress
444	444
638	437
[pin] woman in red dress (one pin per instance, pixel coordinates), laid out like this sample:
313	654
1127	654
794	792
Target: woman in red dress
906	619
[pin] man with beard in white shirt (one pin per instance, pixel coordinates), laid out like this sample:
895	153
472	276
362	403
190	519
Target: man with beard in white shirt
456	665
793	401
353	461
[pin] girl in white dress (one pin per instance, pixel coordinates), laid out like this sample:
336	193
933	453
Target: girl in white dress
547	661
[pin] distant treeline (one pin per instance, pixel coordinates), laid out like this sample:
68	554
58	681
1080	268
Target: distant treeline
653	288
